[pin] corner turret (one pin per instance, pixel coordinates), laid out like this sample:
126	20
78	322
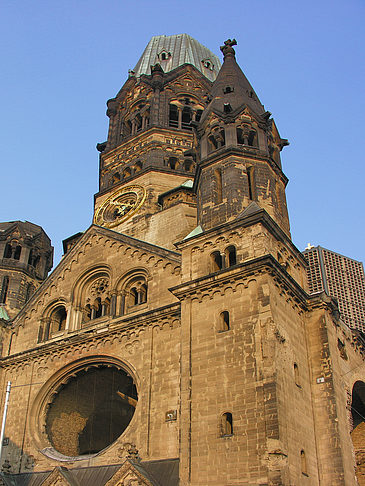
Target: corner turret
238	147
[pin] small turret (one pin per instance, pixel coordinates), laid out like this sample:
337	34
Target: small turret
239	151
26	257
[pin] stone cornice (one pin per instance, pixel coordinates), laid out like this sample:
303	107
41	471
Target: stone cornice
243	152
243	222
239	272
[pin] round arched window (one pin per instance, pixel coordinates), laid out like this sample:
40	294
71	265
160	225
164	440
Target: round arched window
90	409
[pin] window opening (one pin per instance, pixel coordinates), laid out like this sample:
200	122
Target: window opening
240	138
58	319
172	163
296	375
186	118
252	139
198	115
8	251
226	424
173	116
231	256
17	252
303	463
224	324
217	261
4	290
251	183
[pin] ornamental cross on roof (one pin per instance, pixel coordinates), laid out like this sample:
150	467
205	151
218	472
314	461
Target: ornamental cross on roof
228	47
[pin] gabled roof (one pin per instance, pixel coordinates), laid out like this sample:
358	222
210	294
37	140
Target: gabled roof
155	473
179	49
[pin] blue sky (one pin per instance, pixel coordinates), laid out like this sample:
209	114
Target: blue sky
61	62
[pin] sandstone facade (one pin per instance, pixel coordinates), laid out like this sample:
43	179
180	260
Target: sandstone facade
176	342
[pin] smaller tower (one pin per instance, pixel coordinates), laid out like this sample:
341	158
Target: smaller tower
26	257
239	150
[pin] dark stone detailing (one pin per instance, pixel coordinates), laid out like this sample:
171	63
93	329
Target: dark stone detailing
228	47
100	147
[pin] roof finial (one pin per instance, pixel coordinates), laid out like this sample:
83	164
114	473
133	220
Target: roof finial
228	47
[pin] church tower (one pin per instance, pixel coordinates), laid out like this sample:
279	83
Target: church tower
26	258
176	342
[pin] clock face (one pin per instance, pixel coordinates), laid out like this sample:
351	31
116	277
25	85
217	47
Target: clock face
120	206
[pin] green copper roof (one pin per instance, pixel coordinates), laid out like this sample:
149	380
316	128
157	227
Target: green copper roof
3	313
175	50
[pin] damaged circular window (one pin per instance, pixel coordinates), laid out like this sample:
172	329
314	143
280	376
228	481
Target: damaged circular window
90	410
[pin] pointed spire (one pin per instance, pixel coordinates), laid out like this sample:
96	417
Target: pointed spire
232	89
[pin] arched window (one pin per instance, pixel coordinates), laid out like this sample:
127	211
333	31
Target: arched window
33	259
240	137
188	165
127	128
216	139
224	321
8	251
173	163
137	293
226	424
173	116
186	118
4	290
216	261
303	463
138	122
251	183
58	319
198	115
17	252
230	254
252	138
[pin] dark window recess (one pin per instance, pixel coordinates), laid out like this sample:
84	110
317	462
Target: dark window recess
251	183
186	118
227	424
296	375
58	319
303	463
217	261
138	121
4	290
17	252
224	321
198	115
228	89
231	256
173	163
252	139
240	137
173	116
